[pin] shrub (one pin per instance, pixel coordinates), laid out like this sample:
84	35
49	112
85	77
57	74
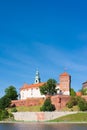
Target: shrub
82	104
70	104
73	102
11	115
14	109
4	114
47	106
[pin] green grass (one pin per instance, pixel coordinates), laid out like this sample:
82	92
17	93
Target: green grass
25	109
37	109
30	108
79	117
74	108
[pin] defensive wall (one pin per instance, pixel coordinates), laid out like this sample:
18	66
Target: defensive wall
58	100
28	102
39	116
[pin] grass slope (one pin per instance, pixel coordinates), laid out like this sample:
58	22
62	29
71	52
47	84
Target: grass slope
79	117
25	109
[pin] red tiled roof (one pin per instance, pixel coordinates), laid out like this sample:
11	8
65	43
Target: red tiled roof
64	74
28	86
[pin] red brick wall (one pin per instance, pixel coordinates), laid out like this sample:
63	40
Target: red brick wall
28	102
59	101
65	82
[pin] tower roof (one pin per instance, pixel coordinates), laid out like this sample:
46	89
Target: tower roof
64	74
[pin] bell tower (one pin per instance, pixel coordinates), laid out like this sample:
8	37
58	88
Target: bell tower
37	77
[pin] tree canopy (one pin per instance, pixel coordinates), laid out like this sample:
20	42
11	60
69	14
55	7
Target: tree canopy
4	102
11	93
72	92
84	91
49	87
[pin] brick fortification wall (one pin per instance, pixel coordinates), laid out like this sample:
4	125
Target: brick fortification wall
28	102
58	100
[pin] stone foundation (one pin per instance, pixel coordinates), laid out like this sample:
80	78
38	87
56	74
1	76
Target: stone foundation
39	116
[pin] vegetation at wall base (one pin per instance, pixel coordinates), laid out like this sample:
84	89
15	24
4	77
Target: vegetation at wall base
47	106
80	102
5	115
14	109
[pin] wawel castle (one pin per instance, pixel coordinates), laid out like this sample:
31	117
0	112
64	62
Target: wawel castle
30	93
33	90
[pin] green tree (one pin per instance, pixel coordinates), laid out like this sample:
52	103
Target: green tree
72	92
4	114
49	87
47	106
11	93
4	102
79	101
84	91
82	104
73	102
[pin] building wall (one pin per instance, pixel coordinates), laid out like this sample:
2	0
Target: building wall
84	85
32	92
65	84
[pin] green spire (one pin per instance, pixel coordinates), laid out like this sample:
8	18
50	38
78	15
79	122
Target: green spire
37	77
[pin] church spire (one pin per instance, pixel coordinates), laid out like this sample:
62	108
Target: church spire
37	77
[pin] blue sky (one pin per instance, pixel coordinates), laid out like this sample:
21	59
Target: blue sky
50	35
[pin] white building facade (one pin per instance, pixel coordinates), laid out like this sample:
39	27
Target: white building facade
33	90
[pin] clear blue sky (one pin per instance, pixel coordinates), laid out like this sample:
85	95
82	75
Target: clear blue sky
50	35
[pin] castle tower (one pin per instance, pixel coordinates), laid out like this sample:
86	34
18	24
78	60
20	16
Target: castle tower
65	83
37	77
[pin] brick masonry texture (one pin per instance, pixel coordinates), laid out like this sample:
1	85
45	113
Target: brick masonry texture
58	100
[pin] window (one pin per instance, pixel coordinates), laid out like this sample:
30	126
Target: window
31	91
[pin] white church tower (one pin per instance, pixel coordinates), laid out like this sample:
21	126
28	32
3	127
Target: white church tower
37	77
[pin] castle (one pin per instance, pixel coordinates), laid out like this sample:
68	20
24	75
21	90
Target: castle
30	93
33	90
